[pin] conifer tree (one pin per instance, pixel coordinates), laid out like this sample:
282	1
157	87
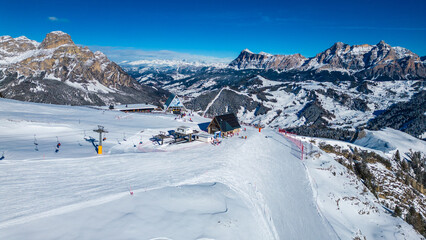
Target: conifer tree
397	212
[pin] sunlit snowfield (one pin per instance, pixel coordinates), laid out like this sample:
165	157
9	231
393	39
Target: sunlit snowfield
241	189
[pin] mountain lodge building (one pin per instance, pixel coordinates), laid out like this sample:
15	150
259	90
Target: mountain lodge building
227	124
173	104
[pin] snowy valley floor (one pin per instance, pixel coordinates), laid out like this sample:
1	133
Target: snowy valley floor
241	189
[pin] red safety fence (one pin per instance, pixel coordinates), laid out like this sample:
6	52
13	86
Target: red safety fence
294	140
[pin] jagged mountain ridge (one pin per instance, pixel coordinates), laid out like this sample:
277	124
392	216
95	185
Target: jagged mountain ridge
325	96
58	71
249	60
362	61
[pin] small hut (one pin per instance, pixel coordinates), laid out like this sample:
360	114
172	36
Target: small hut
204	137
227	124
183	132
173	104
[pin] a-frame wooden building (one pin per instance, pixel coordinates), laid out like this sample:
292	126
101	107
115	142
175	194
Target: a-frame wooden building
173	104
227	124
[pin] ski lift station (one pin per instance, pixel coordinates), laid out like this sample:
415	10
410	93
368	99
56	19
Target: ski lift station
183	133
184	130
204	137
173	104
134	107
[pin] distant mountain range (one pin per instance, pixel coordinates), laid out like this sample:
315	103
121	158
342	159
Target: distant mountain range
380	61
158	63
334	94
60	72
340	62
331	95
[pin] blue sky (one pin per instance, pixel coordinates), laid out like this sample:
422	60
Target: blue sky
219	28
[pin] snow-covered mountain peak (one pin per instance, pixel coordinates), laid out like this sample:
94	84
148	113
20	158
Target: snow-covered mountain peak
360	49
247	51
5	38
100	54
11	46
403	52
382	43
56	39
266	54
58	33
71	74
249	60
338	45
22	38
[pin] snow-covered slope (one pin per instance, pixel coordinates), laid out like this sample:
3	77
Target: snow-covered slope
288	104
249	201
254	188
348	206
389	140
389	163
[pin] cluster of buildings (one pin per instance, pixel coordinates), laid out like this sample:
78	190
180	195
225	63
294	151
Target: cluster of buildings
173	104
222	126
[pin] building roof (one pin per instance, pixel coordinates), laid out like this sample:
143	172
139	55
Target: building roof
170	99
134	106
173	101
227	122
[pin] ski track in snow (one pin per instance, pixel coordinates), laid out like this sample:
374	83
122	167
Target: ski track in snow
211	103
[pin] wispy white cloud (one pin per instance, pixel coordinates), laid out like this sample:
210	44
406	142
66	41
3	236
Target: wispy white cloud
130	54
55	19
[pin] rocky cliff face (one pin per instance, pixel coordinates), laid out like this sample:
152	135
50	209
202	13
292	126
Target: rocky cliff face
58	71
249	60
380	61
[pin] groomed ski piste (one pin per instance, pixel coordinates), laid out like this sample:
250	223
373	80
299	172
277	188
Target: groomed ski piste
254	188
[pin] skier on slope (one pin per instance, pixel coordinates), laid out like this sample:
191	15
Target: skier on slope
57	147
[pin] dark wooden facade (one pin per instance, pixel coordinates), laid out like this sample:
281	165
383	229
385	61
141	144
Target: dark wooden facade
227	124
